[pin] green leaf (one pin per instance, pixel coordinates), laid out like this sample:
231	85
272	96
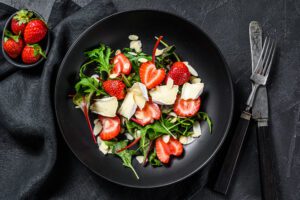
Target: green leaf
89	85
153	159
125	155
166	45
204	116
101	55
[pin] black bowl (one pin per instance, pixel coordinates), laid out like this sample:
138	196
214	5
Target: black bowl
193	45
45	44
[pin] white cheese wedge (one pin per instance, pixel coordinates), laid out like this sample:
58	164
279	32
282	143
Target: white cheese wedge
140	94
97	128
165	94
196	129
128	106
140	159
191	69
136	45
186	140
106	107
191	91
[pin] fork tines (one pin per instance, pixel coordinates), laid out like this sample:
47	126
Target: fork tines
266	57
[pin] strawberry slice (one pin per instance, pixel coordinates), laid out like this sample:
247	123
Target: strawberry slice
186	108
121	65
148	114
175	146
162	150
111	127
151	76
115	88
179	73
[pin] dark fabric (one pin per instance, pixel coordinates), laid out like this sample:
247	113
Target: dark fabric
35	162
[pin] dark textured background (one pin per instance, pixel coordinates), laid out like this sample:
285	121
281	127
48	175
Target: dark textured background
226	22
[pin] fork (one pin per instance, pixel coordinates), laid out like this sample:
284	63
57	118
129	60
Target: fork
259	78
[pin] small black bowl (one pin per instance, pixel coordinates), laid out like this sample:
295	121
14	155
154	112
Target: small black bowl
45	44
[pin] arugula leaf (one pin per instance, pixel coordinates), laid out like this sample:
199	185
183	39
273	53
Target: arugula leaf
125	155
89	85
153	159
204	116
101	55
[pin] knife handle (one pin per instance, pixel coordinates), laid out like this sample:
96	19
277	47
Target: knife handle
227	171
266	162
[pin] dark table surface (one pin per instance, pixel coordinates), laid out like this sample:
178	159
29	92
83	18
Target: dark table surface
226	22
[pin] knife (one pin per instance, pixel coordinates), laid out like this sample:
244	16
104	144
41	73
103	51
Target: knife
260	114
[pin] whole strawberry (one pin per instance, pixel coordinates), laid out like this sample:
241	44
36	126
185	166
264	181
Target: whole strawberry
19	21
12	45
35	31
32	53
114	88
179	73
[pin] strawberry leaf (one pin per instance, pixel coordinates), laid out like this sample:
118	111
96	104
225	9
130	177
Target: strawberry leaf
8	34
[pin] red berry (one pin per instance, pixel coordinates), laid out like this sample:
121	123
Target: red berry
121	65
151	76
12	47
111	127
35	31
148	114
115	88
32	53
19	21
162	150
175	146
186	108
179	73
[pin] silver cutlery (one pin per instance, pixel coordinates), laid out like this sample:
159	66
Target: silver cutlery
259	78
260	115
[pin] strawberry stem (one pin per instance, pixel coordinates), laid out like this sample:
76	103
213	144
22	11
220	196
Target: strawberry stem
87	118
130	145
155	47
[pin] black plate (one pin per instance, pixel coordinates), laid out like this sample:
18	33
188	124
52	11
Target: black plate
193	45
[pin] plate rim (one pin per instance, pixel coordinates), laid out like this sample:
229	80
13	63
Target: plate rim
228	73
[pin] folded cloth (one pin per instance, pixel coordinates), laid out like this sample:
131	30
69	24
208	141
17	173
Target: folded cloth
35	162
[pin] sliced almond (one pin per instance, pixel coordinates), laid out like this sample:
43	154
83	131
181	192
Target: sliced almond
129	136
140	159
118	51
132	53
133	37
158	52
136	45
142	60
166	138
193	80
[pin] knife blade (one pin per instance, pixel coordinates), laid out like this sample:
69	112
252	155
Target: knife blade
260	114
260	107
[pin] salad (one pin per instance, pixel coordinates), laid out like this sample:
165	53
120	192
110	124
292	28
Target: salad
145	106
